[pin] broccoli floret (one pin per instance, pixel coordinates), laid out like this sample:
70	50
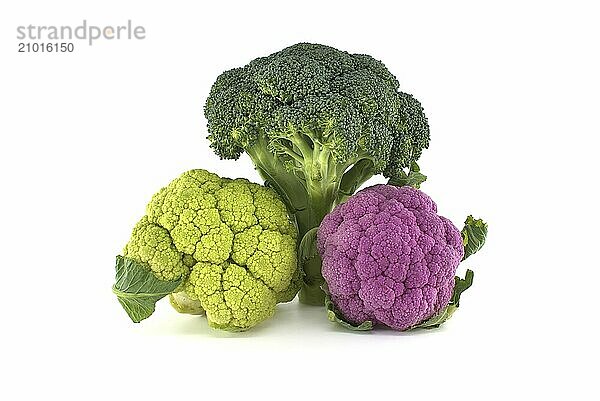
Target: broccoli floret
222	247
317	123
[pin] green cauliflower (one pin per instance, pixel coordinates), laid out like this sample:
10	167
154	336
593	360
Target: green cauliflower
218	246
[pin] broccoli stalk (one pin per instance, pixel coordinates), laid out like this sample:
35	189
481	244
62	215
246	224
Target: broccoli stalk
306	174
317	123
311	182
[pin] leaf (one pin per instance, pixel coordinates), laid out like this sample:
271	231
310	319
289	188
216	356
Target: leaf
436	320
138	290
473	235
460	285
308	245
334	315
414	178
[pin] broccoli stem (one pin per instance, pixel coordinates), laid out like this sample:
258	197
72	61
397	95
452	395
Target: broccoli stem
311	292
287	184
311	183
352	179
322	196
295	195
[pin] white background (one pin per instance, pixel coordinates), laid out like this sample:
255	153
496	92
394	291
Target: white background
511	92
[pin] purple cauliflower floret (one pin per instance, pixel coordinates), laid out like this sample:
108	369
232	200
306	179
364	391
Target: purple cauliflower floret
388	257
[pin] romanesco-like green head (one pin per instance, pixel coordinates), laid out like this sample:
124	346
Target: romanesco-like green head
227	247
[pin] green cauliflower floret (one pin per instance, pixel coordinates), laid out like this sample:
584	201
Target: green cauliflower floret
233	298
228	247
151	244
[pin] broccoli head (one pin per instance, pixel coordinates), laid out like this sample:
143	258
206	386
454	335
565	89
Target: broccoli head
226	247
317	122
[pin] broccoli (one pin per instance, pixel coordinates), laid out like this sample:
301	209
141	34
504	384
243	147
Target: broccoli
222	247
389	259
317	123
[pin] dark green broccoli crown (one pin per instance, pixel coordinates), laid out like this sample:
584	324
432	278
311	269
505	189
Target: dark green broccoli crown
413	138
347	102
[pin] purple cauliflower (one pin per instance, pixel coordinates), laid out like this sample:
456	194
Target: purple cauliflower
388	257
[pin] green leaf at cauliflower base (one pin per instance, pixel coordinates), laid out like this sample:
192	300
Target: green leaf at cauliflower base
308	245
334	315
138	290
473	235
460	285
